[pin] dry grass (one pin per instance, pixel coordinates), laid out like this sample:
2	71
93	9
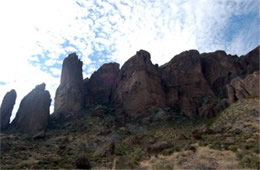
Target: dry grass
203	158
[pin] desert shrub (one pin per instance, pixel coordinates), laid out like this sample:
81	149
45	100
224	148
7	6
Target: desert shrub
168	151
216	145
232	148
250	161
190	147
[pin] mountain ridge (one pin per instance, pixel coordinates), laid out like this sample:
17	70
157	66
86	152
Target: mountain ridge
194	83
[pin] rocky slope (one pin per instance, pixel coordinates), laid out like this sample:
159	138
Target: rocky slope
228	141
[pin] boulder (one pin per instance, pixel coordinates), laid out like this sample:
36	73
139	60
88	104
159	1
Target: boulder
69	98
140	86
6	109
185	83
240	88
34	110
100	88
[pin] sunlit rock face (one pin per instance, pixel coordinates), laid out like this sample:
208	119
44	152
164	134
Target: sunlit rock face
7	108
69	98
101	86
185	82
140	85
240	88
34	111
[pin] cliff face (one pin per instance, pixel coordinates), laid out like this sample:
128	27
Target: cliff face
69	98
191	81
140	85
33	113
184	75
100	88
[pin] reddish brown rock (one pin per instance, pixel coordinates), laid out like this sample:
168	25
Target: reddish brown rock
250	61
7	108
218	69
240	88
69	98
33	113
100	88
185	82
140	85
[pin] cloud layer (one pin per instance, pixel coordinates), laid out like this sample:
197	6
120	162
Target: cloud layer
37	35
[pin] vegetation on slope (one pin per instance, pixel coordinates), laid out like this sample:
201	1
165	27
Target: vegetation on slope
228	141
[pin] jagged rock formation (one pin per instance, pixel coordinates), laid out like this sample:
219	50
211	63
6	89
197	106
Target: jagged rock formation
101	86
185	83
69	98
7	108
33	113
250	61
240	88
218	69
139	85
195	83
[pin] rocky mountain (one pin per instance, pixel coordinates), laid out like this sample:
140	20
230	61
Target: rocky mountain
121	117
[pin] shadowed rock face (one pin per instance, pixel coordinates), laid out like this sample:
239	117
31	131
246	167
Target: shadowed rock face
185	82
69	98
250	62
33	113
240	88
218	69
100	88
139	86
7	108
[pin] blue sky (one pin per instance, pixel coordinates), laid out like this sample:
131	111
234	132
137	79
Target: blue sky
36	35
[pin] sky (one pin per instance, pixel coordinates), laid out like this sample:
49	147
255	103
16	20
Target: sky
36	35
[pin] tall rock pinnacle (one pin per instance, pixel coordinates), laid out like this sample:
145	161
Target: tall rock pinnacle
7	108
34	111
69	98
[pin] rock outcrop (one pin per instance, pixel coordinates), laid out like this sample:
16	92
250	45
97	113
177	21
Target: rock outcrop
250	61
139	86
33	113
240	88
6	109
69	98
192	82
101	86
185	83
218	69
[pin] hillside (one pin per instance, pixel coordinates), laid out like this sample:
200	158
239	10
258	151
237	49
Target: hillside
228	141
